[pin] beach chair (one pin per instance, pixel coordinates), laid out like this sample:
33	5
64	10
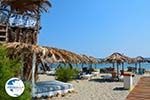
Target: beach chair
52	88
86	76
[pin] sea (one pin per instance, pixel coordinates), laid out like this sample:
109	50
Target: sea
145	65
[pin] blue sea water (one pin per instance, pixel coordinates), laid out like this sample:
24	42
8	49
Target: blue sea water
143	65
106	65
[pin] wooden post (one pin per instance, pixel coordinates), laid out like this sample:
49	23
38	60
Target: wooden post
95	66
122	68
82	65
140	65
33	73
7	26
136	68
118	71
113	65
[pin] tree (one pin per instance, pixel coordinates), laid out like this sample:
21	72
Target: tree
10	68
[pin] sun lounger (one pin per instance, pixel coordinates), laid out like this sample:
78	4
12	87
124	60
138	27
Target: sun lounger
50	72
95	73
107	77
86	76
52	88
112	77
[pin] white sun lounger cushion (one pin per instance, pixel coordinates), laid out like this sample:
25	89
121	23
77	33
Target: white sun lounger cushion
52	88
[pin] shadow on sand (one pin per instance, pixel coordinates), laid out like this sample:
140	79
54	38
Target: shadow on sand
102	80
119	89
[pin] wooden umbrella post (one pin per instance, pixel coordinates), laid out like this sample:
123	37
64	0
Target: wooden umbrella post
122	68
113	65
136	68
118	70
33	74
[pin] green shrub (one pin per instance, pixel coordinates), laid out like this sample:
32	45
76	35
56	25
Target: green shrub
66	74
27	92
10	68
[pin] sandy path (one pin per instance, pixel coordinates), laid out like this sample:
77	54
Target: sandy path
94	89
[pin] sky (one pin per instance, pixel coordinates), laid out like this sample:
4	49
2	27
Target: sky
98	27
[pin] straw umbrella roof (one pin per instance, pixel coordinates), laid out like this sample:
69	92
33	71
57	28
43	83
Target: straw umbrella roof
86	59
116	58
26	6
74	58
94	60
140	59
90	59
48	54
147	60
69	57
51	55
132	60
101	60
137	59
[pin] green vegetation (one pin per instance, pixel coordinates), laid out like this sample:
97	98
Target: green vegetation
27	93
10	68
66	73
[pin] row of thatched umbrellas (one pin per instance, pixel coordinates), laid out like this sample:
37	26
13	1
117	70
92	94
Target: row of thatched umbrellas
55	55
50	54
45	55
120	59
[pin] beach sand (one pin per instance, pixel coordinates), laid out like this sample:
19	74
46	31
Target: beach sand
94	89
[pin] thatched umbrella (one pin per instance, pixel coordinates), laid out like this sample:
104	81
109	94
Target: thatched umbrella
73	58
70	57
94	60
86	58
44	55
101	60
133	61
137	61
23	51
140	60
118	59
89	60
26	6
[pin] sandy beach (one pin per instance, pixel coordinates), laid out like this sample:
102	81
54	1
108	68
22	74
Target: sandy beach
94	89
